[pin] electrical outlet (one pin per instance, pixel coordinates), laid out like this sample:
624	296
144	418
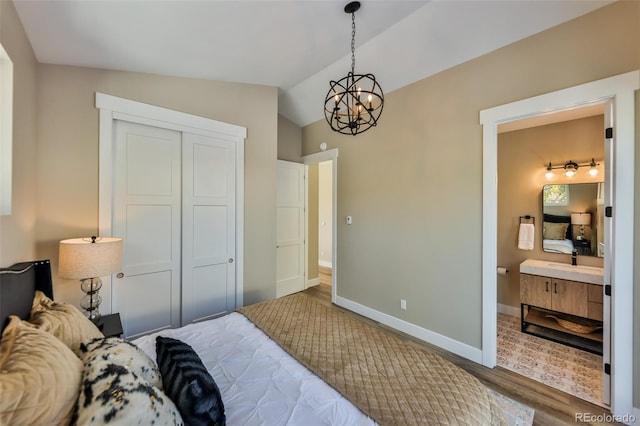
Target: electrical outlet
403	304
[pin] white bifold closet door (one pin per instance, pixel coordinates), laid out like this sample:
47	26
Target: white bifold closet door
174	205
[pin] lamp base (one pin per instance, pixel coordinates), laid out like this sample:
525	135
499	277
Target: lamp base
91	301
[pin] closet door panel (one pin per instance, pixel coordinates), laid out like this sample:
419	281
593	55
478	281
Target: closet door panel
208	228
149	302
147	215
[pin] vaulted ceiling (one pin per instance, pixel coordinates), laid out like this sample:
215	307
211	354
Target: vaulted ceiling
295	45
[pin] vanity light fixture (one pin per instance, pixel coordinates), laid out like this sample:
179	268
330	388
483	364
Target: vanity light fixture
571	168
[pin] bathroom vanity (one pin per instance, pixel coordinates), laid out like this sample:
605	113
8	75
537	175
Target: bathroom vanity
563	303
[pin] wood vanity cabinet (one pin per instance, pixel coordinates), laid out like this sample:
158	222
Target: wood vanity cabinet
542	296
570	297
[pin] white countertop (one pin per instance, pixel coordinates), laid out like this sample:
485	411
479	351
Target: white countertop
565	271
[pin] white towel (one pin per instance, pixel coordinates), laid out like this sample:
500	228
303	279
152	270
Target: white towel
526	236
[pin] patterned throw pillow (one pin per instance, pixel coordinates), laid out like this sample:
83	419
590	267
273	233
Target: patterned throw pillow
188	383
113	394
39	377
63	320
121	352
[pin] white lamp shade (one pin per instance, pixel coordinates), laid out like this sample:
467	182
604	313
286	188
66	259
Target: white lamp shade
581	218
80	258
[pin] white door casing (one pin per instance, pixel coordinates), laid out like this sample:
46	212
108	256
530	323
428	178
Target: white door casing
113	108
619	89
290	228
208	230
318	157
146	215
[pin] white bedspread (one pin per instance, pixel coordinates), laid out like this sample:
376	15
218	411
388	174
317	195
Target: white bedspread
558	246
260	383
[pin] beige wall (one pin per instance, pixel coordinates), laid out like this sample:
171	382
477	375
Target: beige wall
522	155
289	140
17	231
414	184
67	156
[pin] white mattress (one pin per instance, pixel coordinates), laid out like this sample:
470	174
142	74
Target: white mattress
260	383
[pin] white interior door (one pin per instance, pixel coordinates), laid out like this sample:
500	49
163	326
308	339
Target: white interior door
608	253
290	270
147	215
208	228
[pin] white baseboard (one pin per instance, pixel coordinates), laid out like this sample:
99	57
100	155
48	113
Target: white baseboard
313	281
508	310
324	263
458	348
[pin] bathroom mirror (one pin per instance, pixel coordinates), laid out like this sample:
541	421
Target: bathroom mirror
573	217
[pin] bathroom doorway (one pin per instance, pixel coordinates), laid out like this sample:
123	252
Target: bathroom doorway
618	90
533	145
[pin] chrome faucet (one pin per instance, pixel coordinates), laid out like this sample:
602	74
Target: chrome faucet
574	257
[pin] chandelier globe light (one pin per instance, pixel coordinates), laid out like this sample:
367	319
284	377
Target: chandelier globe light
354	103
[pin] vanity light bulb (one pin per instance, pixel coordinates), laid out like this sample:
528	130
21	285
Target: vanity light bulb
549	174
593	171
570	173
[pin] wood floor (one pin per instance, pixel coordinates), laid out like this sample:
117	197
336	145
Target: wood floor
552	406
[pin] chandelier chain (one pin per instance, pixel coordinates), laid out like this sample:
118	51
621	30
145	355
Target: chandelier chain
353	43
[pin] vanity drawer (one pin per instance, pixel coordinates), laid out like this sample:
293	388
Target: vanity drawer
595	302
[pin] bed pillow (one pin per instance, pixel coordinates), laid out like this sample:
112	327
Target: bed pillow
63	320
121	352
555	231
111	393
188	383
39	377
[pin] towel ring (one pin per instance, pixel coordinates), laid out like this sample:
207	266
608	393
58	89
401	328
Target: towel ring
528	217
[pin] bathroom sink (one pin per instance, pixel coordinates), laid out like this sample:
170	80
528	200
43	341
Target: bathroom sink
565	271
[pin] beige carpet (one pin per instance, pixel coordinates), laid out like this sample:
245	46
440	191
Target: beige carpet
562	367
391	381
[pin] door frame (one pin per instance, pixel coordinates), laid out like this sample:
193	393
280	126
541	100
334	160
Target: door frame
115	108
319	157
621	90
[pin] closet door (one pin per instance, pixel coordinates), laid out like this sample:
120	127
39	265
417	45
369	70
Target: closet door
147	215
208	227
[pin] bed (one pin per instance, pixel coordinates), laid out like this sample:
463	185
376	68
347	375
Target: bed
557	234
238	368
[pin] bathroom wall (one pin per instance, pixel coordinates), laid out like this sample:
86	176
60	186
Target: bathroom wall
522	157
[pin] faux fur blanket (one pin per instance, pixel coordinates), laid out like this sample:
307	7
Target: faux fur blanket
388	379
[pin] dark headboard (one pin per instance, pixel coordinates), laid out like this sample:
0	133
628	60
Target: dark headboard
18	284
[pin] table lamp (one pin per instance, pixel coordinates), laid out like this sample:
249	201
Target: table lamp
581	219
88	259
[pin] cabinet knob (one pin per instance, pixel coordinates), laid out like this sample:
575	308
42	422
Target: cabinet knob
230	260
120	275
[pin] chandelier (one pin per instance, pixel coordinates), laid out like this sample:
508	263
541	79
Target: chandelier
354	103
